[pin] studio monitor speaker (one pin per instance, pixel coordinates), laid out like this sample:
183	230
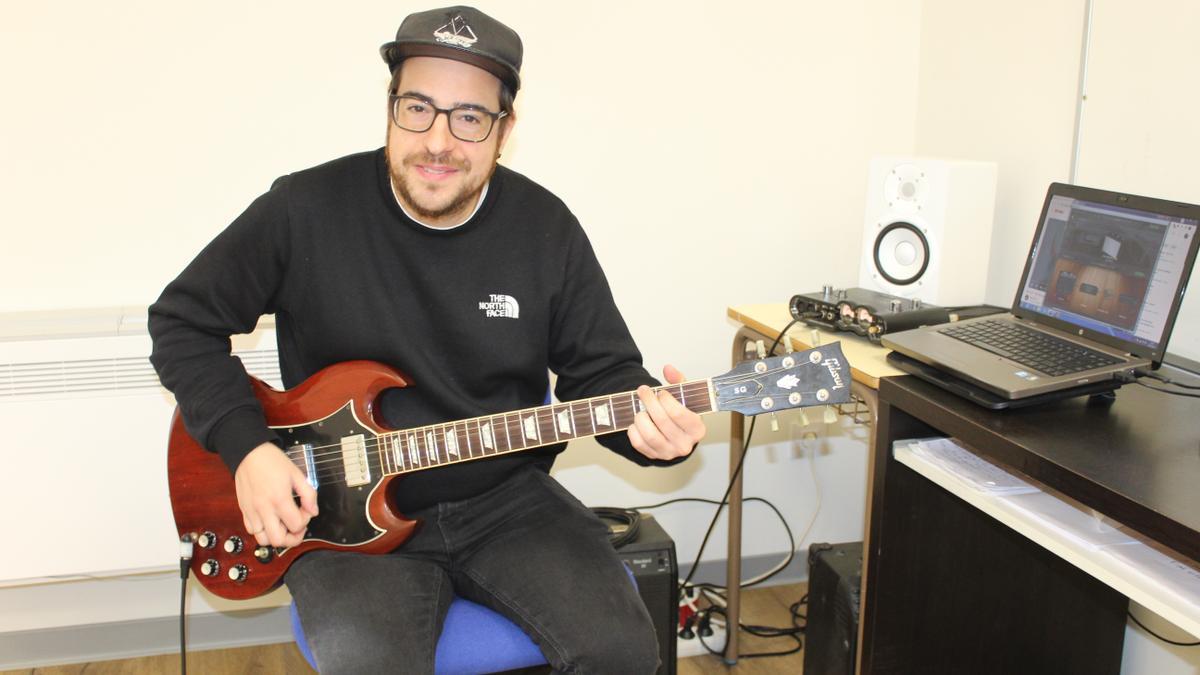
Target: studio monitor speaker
928	229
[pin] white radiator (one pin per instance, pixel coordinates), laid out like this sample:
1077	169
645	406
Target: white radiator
84	424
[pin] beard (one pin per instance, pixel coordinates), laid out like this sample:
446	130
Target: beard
441	205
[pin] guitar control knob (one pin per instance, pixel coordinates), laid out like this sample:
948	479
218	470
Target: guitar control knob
206	539
210	568
264	553
897	304
233	545
238	573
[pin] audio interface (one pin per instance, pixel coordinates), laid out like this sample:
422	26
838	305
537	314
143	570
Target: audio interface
865	312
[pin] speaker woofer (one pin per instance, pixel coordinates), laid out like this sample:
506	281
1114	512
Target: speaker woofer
901	253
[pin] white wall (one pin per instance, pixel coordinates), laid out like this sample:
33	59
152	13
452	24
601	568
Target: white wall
1138	127
132	133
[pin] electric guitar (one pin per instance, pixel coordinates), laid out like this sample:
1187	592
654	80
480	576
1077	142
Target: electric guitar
332	432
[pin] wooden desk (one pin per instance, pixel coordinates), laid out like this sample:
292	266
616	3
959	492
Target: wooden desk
948	588
867	365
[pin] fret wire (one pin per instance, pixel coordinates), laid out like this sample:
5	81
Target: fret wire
491	432
464	450
516	420
556	420
494	449
442	448
552	412
507	438
422	451
543	419
414	446
571	419
479	437
407	461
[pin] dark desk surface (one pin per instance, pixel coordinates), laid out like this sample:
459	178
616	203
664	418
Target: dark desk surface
1136	460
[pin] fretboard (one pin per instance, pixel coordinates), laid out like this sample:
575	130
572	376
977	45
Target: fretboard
490	435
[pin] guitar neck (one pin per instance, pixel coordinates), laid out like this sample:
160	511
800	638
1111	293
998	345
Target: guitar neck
491	435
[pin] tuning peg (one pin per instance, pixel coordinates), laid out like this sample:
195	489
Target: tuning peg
762	349
787	344
814	338
830	415
774	422
804	418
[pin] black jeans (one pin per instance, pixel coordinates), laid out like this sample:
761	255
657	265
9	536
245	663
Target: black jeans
526	548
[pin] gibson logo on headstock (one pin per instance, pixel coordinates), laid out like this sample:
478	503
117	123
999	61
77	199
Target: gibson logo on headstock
834	367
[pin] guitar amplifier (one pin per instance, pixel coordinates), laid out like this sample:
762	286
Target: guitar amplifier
834	583
651	556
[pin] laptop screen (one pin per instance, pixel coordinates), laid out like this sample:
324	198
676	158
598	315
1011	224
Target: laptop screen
1113	270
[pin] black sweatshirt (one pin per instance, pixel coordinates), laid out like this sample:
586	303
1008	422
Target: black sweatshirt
475	315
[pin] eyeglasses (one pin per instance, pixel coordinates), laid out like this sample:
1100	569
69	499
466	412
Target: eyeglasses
467	123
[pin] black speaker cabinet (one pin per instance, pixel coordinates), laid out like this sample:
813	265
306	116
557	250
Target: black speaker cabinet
651	556
834	583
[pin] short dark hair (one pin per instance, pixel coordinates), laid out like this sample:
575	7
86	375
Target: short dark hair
507	95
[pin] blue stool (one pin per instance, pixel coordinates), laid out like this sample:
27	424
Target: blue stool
474	639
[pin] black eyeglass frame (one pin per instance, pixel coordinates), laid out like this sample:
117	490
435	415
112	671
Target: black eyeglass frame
495	116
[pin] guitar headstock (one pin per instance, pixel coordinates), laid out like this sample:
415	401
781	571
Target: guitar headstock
816	376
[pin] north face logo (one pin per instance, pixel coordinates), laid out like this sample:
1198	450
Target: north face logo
501	305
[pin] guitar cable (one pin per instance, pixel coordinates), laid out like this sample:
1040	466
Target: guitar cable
736	473
185	559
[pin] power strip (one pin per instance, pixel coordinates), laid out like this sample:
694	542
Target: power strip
688	648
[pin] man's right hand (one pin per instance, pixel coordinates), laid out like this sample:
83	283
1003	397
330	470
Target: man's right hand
266	482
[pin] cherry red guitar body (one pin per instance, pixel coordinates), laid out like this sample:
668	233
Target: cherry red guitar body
313	418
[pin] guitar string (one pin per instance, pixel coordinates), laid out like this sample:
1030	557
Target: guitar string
332	454
693	388
425	461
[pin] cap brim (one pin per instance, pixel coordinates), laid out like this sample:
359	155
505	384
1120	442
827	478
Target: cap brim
393	53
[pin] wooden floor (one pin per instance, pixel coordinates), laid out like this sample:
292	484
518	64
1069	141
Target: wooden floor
761	606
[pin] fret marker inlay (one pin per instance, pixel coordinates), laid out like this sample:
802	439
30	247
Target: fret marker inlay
431	442
564	422
485	432
452	443
531	427
602	417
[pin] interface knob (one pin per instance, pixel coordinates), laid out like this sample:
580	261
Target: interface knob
210	568
233	544
238	573
206	539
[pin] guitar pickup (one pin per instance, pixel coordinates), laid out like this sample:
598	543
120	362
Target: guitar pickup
302	456
354	460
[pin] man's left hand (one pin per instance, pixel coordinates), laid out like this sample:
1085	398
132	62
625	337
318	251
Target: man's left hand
665	429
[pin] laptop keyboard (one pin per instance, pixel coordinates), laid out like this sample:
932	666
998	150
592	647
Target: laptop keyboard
1033	349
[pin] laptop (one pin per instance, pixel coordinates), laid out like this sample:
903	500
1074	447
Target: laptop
1097	299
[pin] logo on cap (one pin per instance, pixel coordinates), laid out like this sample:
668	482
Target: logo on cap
457	33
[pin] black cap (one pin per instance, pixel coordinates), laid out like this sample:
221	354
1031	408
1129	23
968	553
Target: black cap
460	33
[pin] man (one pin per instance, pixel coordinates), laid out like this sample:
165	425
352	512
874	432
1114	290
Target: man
474	281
